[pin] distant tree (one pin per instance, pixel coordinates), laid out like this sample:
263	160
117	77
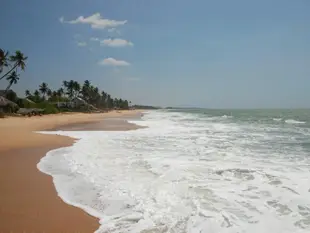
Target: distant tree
69	88
76	88
49	93
86	89
60	92
36	96
27	93
43	89
103	101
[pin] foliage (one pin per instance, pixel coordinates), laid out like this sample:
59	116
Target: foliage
18	61
44	97
12	63
3	59
13	79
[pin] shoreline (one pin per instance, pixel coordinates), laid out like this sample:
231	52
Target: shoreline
28	197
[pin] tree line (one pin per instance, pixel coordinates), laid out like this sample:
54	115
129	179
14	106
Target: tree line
16	63
72	89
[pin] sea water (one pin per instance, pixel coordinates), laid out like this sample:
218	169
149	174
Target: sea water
192	171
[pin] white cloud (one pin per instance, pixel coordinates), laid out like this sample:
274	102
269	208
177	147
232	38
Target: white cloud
113	62
94	39
81	44
61	19
114	31
117	42
96	21
111	29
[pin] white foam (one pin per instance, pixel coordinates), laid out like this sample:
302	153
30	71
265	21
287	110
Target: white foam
182	175
291	121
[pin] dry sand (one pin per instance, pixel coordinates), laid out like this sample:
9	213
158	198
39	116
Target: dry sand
28	199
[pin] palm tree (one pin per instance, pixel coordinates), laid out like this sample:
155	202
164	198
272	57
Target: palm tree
43	89
76	88
60	92
27	93
19	61
36	95
3	59
49	93
13	79
86	90
70	88
103	99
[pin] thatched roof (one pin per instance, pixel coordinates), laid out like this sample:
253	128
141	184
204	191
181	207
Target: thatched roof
5	102
4	92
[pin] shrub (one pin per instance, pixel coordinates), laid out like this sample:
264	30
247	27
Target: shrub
50	109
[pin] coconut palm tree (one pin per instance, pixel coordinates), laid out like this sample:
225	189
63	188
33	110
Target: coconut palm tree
13	79
3	59
60	92
86	88
19	62
76	88
70	88
43	89
49	93
27	93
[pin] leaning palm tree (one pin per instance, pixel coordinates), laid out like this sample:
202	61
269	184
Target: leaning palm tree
43	89
3	59
13	79
19	61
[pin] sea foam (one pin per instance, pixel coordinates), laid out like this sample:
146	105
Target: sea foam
185	174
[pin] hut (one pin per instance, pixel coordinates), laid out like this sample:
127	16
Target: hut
7	105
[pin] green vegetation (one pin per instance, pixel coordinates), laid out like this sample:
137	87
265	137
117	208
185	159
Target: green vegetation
71	96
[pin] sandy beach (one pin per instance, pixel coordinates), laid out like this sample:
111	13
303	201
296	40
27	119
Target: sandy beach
28	199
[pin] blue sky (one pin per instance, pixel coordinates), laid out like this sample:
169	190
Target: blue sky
216	54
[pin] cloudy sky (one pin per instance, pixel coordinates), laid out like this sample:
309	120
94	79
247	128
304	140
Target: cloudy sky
216	54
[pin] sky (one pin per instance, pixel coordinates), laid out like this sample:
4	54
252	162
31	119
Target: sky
199	53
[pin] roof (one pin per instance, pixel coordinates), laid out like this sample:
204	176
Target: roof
79	99
4	92
29	101
5	102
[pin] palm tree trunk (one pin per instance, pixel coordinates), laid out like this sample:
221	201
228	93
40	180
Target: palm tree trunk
9	71
8	87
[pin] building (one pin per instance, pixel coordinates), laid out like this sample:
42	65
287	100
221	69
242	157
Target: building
75	102
7	105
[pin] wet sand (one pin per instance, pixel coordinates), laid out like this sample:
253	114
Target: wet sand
28	199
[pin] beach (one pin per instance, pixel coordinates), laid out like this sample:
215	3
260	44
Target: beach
28	199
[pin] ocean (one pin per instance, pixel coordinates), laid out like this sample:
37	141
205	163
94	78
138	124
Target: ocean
193	170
